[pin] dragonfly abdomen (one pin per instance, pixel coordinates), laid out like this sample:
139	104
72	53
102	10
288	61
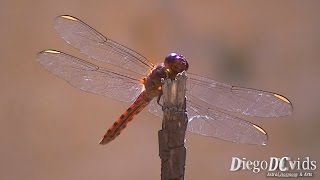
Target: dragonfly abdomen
140	103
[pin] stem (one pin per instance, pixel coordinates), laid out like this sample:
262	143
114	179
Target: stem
172	151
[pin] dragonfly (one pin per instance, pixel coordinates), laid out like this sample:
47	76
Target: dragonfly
130	77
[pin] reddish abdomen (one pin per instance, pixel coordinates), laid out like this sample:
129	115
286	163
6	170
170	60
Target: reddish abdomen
141	102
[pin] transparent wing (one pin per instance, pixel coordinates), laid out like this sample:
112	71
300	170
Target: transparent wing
214	123
237	99
95	45
155	109
89	77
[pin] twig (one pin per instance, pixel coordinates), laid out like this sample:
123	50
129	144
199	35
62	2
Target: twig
172	135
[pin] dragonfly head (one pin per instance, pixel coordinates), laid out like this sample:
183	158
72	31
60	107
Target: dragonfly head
176	63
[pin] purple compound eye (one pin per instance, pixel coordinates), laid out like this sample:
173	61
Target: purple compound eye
171	58
177	63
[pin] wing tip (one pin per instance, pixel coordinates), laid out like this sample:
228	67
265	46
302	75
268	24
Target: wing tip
285	100
47	51
67	17
282	98
259	129
264	133
51	51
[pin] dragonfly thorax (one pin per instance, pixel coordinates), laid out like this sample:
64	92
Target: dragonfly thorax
153	81
173	64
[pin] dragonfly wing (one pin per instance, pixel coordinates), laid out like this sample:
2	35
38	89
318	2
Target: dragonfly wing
155	109
217	124
95	45
89	77
237	99
214	123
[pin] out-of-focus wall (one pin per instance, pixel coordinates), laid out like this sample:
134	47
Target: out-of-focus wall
50	130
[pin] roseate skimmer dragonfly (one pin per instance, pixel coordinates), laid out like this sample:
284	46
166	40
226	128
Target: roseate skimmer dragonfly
131	77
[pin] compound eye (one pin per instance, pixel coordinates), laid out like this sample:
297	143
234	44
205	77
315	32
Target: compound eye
171	58
173	54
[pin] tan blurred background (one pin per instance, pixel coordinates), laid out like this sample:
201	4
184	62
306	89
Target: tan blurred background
50	130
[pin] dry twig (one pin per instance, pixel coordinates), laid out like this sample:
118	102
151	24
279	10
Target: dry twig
172	135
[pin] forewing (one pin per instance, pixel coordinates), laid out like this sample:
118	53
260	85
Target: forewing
95	45
237	99
89	77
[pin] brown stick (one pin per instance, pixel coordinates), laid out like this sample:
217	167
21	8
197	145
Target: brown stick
172	135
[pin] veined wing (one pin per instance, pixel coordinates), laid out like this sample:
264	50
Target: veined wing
95	45
237	99
89	77
214	123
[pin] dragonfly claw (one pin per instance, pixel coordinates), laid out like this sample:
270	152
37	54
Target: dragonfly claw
158	100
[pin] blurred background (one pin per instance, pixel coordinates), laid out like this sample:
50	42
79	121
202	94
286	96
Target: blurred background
50	130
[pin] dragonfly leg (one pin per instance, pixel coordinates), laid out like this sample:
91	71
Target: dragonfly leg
158	99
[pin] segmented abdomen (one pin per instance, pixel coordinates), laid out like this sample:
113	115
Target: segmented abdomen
140	103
